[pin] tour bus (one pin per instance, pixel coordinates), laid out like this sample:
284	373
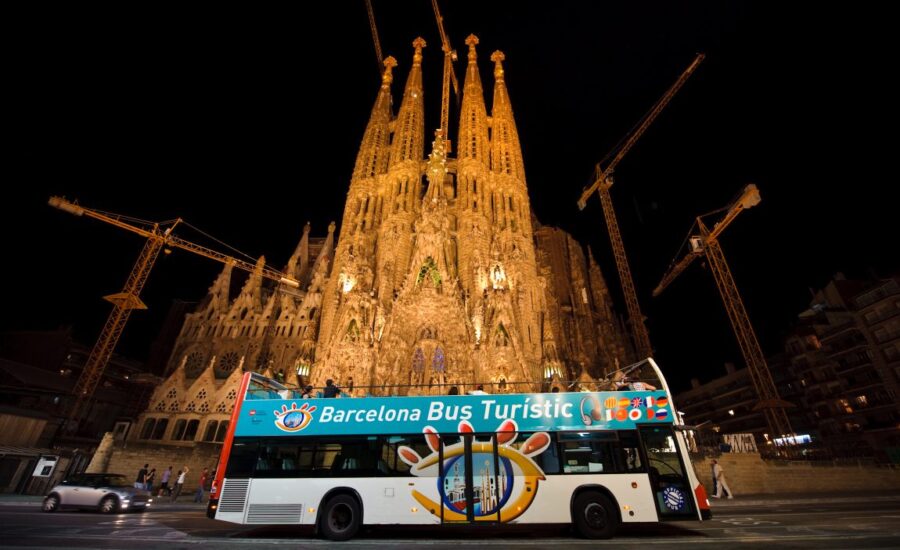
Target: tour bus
590	459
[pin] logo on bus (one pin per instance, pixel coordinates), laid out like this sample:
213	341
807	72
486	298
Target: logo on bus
673	499
502	490
293	419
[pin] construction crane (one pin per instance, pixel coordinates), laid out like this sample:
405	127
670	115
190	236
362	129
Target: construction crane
374	30
704	241
128	299
449	75
602	182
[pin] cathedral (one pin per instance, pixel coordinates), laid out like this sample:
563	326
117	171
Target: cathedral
440	276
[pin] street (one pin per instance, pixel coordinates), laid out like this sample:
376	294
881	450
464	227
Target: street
829	521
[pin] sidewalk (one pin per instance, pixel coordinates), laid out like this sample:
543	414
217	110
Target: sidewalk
184	503
798	499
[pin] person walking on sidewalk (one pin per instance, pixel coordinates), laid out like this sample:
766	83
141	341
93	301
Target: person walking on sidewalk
179	483
198	496
719	476
139	481
164	485
149	479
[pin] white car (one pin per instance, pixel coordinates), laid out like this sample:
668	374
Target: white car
108	493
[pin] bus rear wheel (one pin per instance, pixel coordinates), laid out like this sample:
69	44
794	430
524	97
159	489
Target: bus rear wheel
340	518
595	516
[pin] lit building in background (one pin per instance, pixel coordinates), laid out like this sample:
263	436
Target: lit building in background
845	356
840	368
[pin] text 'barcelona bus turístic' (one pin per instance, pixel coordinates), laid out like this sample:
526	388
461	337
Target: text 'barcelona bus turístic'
592	459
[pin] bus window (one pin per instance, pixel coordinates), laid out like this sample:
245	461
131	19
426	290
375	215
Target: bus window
588	452
548	461
629	452
389	462
354	456
600	452
242	459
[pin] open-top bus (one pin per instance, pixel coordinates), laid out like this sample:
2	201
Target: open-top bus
593	459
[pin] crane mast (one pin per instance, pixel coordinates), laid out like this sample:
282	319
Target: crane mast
707	244
448	77
602	182
128	299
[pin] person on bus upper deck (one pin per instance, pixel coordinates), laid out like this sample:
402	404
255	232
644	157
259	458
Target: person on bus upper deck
453	391
478	391
330	389
307	393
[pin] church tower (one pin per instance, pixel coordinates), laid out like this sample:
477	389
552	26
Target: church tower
435	279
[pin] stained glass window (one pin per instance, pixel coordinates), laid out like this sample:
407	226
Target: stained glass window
437	361
429	269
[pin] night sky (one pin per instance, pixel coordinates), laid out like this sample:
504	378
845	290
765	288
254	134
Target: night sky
204	115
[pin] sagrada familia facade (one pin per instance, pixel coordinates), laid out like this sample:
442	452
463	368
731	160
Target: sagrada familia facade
441	276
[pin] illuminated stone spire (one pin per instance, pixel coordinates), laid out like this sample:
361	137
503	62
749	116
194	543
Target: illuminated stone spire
409	133
299	262
375	148
506	153
473	121
473	176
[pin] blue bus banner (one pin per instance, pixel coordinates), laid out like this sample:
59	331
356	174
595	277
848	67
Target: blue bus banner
620	410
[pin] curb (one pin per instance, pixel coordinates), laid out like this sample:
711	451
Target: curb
31	500
774	500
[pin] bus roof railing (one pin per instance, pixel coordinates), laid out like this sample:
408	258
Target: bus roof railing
641	376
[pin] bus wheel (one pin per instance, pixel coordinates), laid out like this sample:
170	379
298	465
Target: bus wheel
340	518
595	517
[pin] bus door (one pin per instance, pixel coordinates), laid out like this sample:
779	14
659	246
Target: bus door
469	484
669	481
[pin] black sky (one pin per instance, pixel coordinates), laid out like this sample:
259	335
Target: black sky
247	125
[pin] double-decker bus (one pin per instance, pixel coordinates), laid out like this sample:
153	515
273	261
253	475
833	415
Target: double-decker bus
592	459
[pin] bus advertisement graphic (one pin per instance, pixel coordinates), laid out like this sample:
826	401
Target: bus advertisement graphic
531	412
502	495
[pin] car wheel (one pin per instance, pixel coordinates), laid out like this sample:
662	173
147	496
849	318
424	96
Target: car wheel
340	518
51	503
595	516
109	505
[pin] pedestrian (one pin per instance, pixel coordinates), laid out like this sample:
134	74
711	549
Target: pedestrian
715	487
139	481
307	393
164	485
330	389
179	483
198	496
148	479
719	476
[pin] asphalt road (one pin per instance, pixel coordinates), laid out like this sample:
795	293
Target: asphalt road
801	523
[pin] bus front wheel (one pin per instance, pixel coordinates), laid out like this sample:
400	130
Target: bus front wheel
595	516
340	518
